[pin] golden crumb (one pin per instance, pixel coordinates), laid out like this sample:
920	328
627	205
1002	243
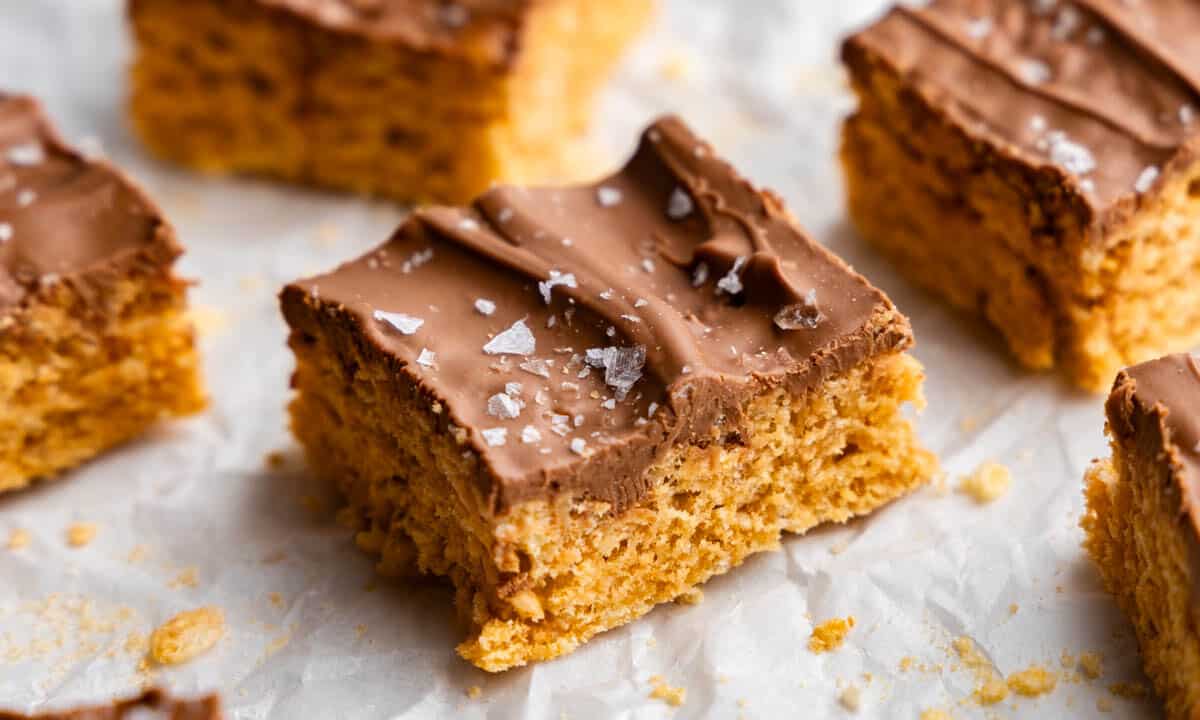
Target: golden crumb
360	631
1067	660
1032	681
1012	609
18	539
989	686
1130	690
187	635
81	534
474	692
276	599
839	547
694	596
992	691
851	698
275	459
935	714
1104	705
136	643
830	634
941	484
186	579
673	696
906	663
1091	664
987	484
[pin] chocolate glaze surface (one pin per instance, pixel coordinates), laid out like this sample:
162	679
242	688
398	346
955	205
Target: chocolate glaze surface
152	704
64	217
1155	407
637	313
487	30
1104	91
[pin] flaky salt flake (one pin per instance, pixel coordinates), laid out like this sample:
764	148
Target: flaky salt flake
651	409
1038	124
640	303
579	446
1095	35
25	198
1034	71
517	340
556	279
700	275
607	294
505	214
980	28
1068	154
622	366
484	306
647	265
804	315
26	155
732	282
405	324
536	366
609	404
503	406
530	434
1187	114
608	196
631	318
427	358
495	437
578	420
680	204
1145	181
1068	21
468	225
1087	186
6	232
513	389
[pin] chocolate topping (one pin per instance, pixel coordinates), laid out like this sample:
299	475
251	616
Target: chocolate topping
64	217
1102	91
484	30
1156	405
631	315
152	704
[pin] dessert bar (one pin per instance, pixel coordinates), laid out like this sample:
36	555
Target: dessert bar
1034	163
95	345
407	99
577	403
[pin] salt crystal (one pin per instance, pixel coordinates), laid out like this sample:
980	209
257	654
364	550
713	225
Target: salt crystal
1068	21
700	275
980	28
26	155
503	406
513	388
468	225
556	279
680	204
607	294
6	232
427	358
1146	180
517	340
579	446
1070	155
25	198
1033	71
1186	114
405	324
640	303
578	420
804	315
1037	123
631	318
651	410
608	196
609	404
622	366
530	434
732	282
485	307
505	214
537	367
495	437
648	265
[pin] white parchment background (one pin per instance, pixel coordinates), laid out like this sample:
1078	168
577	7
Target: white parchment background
311	635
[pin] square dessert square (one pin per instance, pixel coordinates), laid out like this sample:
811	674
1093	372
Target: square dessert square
1142	522
1034	163
577	403
95	345
407	99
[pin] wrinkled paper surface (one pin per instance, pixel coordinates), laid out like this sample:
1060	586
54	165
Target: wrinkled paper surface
193	515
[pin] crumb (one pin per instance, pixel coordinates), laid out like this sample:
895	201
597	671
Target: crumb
360	631
1132	690
673	696
207	321
839	547
987	484
1067	660
1012	609
276	599
990	688
651	642
18	539
851	698
474	692
935	714
187	578
906	663
1033	681
1104	705
830	634
992	691
275	459
941	484
81	534
187	635
694	596
1092	665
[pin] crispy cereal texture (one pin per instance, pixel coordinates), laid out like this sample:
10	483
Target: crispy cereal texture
75	382
539	580
994	238
234	86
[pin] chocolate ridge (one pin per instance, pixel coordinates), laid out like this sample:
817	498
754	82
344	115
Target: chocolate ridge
73	220
632	259
1103	94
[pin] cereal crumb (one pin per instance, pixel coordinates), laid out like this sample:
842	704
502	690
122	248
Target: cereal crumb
992	691
906	663
1131	690
276	599
829	635
187	635
987	484
851	698
81	534
935	714
474	692
1033	681
18	539
694	596
673	696
187	578
1012	609
1092	665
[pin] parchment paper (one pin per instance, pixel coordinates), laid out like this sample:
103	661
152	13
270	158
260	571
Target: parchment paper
192	515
